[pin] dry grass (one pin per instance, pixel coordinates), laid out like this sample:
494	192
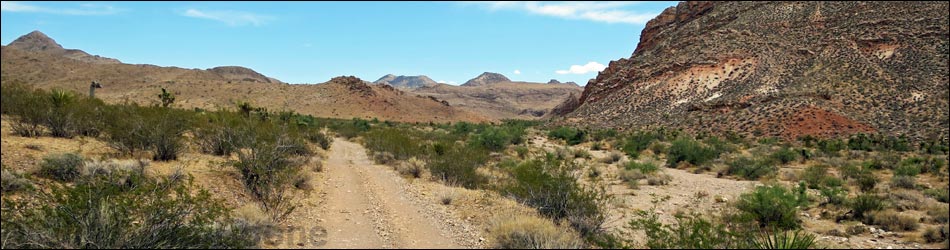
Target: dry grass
659	179
528	232
892	221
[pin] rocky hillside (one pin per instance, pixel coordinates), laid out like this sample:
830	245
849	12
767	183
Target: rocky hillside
555	81
242	74
38	42
781	69
486	78
406	82
503	100
221	87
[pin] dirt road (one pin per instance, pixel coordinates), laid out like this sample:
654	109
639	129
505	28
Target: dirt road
365	205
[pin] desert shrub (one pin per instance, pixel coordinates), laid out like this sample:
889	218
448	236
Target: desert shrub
320	138
719	146
892	221
939	213
218	136
685	149
831	147
940	194
157	129
384	158
603	134
645	167
458	166
907	170
59	118
11	181
637	142
659	179
833	195
493	139
412	168
582	153
527	232
62	167
267	169
611	158
866	181
903	181
631	175
521	151
860	142
864	203
597	145
29	107
396	142
572	136
548	185
749	168
817	176
937	234
689	231
784	155
106	212
692	231
771	206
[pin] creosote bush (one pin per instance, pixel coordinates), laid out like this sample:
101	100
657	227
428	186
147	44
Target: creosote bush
62	167
122	210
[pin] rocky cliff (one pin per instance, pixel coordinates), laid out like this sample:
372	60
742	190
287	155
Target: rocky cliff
780	69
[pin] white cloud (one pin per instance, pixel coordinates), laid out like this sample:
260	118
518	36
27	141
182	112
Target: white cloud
448	82
82	10
517	72
608	12
230	17
582	69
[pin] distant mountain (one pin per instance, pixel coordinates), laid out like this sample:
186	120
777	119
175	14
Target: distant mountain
237	73
504	100
555	81
486	79
37	61
36	41
406	82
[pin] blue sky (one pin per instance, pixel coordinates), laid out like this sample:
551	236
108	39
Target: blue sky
310	42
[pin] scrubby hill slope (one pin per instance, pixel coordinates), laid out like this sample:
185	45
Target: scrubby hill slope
782	69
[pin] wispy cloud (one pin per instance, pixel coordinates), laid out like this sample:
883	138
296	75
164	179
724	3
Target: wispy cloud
608	12
582	69
229	17
80	10
517	72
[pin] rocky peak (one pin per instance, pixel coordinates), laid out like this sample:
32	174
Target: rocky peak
486	79
238	73
36	41
406	82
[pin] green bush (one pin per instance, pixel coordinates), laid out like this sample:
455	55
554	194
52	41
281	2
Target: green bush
458	166
687	232
267	166
548	185
903	181
892	221
62	167
320	138
637	142
691	151
394	141
771	206
646	167
834	195
785	155
108	211
865	203
941	194
572	136
493	139
750	169
831	147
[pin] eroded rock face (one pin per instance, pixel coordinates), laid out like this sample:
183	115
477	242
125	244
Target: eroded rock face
781	69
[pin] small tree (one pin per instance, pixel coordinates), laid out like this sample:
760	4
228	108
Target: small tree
167	98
